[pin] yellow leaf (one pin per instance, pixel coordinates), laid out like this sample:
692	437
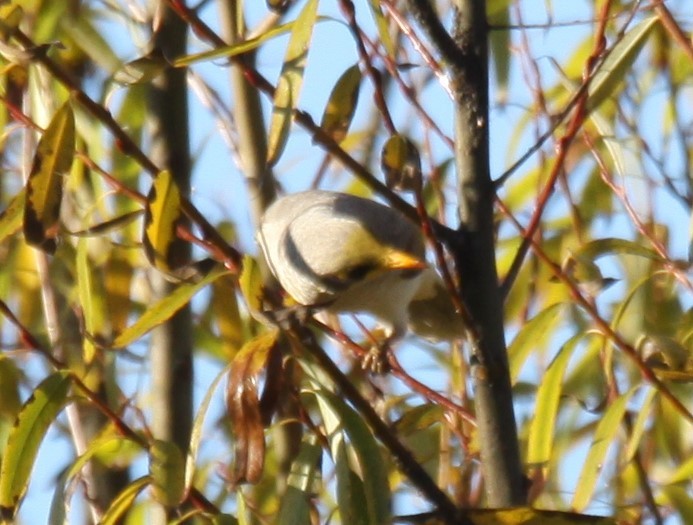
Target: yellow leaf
44	188
290	80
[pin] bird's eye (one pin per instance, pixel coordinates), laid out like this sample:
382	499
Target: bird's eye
358	272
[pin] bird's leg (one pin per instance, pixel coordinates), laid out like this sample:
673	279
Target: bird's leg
375	360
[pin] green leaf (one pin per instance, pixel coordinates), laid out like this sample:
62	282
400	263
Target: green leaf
303	482
604	435
620	59
44	188
541	429
289	86
383	28
250	283
341	105
164	309
11	217
32	423
536	329
340	421
639	424
500	45
235	49
196	432
167	472
92	300
614	246
123	502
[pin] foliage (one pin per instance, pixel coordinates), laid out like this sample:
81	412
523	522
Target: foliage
591	150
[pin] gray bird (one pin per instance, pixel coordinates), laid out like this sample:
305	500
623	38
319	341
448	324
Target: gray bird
349	254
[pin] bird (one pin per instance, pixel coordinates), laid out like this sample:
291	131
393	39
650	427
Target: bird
342	253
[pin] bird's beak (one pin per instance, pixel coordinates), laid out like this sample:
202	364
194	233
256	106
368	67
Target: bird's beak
397	260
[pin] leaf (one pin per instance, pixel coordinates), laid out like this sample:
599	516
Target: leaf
161	218
500	45
290	80
123	502
235	49
11	217
383	29
614	246
10	379
302	484
401	163
604	435
196	432
167	472
24	440
530	516
250	283
620	59
142	70
368	466
227	315
44	188
541	430
164	309
535	330
92	300
341	105
10	18
118	272
243	404
639	424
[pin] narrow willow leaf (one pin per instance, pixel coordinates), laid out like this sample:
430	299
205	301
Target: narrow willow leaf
162	216
123	502
341	419
243	404
235	49
10	379
500	45
92	300
614	246
604	436
227	315
294	508
164	309
250	283
167	472
11	217
10	18
44	188
31	425
542	428
531	516
341	105
622	56
533	331
639	425
383	29
289	86
351	493
118	272
303	483
196	432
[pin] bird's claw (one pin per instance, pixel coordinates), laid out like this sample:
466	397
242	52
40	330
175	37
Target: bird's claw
376	360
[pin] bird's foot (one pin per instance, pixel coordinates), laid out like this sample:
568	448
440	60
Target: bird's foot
375	360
